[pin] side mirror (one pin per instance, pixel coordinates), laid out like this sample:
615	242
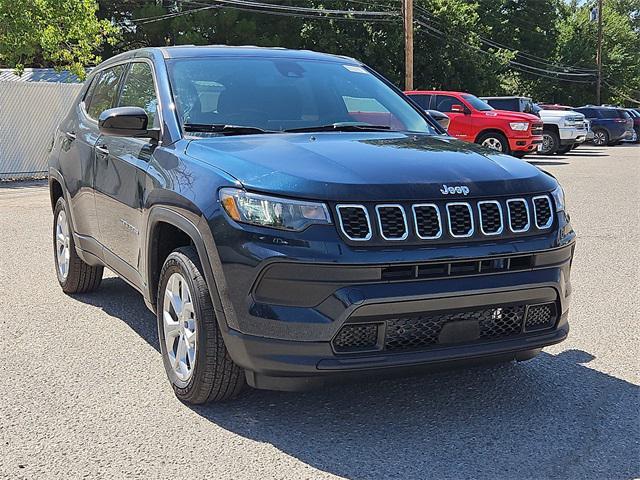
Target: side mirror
126	122
457	108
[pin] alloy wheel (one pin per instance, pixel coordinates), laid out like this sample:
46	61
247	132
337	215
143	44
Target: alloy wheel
599	138
180	326
62	245
493	143
547	143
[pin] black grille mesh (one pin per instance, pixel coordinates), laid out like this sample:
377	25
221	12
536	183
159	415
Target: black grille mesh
407	333
490	217
518	216
540	316
460	219
543	211
354	222
356	337
392	222
427	221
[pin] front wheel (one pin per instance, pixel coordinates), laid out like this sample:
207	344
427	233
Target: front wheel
565	149
74	275
195	357
494	141
550	143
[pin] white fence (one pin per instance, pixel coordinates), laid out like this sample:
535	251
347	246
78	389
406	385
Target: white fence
29	114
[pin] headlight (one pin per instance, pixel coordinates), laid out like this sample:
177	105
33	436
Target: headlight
558	198
520	126
273	212
569	122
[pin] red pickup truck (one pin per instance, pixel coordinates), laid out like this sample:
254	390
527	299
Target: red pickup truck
476	121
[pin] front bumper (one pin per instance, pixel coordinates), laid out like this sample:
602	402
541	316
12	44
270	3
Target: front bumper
299	309
569	136
524	143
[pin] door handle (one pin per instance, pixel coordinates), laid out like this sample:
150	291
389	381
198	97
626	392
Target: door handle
70	135
102	150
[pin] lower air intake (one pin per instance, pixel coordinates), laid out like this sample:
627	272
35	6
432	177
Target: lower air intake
356	337
540	317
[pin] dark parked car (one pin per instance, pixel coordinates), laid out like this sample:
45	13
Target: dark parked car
635	116
610	125
292	218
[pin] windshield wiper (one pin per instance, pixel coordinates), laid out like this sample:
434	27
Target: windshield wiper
224	129
340	127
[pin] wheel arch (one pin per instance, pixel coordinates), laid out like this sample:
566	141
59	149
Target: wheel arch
166	231
490	131
56	187
551	127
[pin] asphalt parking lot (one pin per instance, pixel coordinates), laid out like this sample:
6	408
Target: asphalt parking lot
84	391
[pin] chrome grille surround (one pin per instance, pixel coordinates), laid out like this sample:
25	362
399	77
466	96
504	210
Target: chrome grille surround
382	227
471	230
415	220
342	228
535	212
526	207
490	202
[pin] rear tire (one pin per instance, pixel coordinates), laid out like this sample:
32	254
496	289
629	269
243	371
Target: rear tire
195	357
494	141
550	143
74	275
600	137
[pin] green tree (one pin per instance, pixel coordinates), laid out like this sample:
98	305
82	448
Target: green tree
62	33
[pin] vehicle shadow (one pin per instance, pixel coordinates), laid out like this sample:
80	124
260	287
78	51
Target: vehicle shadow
552	417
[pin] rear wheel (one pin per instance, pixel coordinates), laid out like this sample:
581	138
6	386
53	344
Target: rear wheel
600	137
74	275
494	141
195	357
550	143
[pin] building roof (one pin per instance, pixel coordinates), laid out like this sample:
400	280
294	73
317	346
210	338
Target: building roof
38	75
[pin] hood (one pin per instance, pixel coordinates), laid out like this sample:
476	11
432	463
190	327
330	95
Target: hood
555	114
344	166
510	116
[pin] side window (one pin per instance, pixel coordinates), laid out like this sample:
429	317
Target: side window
444	103
138	91
421	100
89	93
105	92
588	112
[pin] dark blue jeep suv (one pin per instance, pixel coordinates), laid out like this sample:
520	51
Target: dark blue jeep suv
292	218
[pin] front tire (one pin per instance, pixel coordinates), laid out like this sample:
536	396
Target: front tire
565	149
550	143
494	141
74	275
195	357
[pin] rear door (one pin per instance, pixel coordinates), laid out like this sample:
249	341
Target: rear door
121	163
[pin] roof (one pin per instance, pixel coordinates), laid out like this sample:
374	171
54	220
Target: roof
38	75
185	51
507	97
435	92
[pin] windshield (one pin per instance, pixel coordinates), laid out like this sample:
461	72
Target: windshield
476	103
278	94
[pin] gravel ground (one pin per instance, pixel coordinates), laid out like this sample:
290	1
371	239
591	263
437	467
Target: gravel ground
84	391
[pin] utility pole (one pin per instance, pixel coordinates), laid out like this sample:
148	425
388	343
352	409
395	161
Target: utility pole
407	7
599	55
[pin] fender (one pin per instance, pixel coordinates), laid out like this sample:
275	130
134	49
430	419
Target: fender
167	215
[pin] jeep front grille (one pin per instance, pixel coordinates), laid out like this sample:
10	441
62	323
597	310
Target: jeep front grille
422	222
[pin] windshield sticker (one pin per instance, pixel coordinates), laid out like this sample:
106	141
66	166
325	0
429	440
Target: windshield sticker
355	69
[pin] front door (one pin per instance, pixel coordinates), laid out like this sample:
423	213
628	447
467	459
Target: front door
460	125
121	163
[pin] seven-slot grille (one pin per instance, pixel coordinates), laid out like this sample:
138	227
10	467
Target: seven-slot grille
430	221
